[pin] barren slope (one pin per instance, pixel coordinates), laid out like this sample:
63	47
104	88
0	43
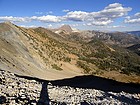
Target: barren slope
17	55
41	53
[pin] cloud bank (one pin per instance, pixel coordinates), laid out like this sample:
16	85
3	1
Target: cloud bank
133	19
100	18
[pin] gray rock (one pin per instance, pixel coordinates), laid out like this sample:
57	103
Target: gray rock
2	99
21	91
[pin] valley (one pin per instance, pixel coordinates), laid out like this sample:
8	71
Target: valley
39	66
47	54
69	52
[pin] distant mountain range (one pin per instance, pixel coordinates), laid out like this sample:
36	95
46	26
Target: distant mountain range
64	53
134	32
115	38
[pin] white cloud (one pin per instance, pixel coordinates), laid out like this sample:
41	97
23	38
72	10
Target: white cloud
100	23
88	24
75	25
50	12
133	19
117	26
99	18
50	26
103	17
107	16
14	19
65	10
40	13
137	15
47	18
43	13
114	11
76	16
114	5
31	26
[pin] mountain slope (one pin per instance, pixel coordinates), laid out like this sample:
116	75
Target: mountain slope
19	54
41	53
135	48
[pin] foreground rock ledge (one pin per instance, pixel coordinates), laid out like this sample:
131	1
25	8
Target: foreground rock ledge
15	90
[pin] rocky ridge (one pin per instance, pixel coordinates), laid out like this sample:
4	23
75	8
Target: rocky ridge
15	90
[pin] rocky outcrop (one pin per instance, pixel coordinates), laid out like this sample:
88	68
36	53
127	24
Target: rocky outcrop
18	91
15	90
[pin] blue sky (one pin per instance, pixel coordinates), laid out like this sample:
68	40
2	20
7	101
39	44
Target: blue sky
108	15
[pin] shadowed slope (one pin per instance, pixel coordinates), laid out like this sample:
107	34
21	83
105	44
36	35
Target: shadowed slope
94	82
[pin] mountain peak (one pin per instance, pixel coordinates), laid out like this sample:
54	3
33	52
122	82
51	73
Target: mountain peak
66	28
8	22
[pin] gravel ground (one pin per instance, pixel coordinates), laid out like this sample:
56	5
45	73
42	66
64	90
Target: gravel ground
15	90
